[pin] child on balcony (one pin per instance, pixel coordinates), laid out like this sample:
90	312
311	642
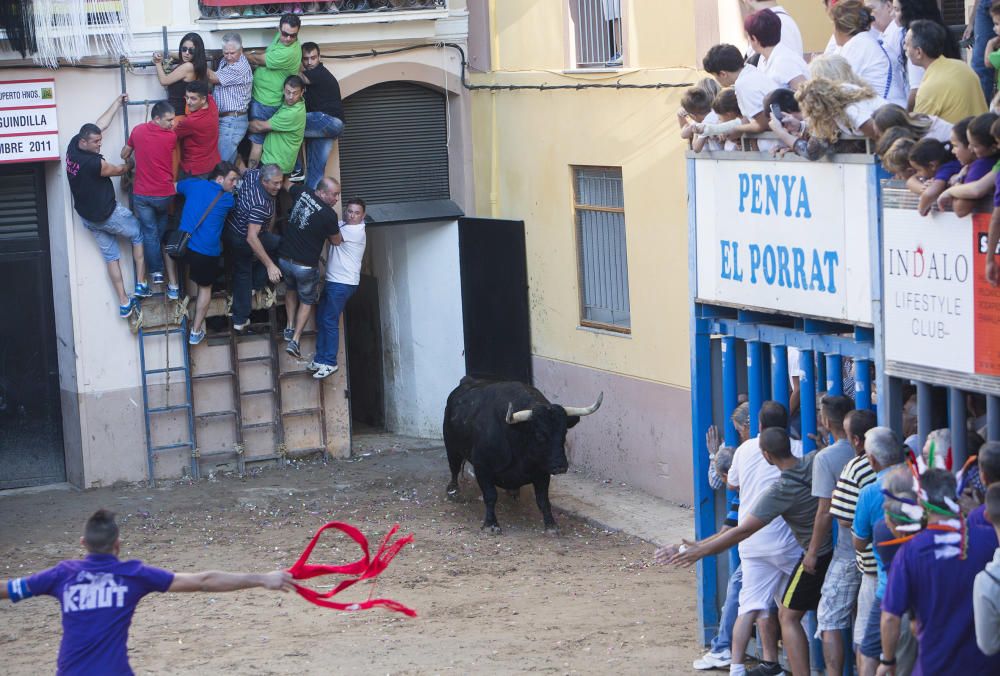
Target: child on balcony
977	151
934	163
696	107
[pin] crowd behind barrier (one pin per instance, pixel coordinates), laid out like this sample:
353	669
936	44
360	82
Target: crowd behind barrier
232	143
881	535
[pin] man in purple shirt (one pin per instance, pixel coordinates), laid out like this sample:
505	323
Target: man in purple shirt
989	472
932	577
99	593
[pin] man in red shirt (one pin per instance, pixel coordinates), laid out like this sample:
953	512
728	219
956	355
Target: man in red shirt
151	148
198	133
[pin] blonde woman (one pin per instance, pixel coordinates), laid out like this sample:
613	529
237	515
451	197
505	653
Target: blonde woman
834	108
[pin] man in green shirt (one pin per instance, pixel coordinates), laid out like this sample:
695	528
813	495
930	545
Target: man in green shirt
285	128
282	59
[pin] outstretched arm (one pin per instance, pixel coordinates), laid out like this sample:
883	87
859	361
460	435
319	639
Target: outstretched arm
719	542
219	581
104	121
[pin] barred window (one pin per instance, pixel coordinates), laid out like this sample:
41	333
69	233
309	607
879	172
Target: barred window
600	225
597	29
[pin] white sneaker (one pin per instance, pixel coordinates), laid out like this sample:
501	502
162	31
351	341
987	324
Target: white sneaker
713	660
324	371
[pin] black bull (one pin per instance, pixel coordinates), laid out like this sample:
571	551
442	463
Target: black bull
512	436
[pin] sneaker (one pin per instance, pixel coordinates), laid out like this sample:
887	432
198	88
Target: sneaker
324	371
297	8
241	328
288	333
142	290
297	176
157	278
268	297
173	292
196	337
313	366
293	349
232	13
125	311
712	660
766	669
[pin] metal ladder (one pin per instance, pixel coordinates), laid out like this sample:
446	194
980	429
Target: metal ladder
319	410
153	452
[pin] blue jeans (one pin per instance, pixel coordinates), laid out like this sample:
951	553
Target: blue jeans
321	129
258	111
724	638
232	129
121	223
331	305
249	274
982	29
152	215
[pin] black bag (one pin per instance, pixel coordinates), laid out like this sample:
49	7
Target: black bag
176	244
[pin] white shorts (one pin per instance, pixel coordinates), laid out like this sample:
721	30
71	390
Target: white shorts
764	579
866	597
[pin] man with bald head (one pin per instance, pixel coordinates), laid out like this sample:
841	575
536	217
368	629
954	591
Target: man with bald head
312	223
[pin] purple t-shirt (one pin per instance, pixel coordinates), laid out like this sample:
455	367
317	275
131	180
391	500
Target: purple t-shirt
979	168
977	517
947	170
939	593
98	595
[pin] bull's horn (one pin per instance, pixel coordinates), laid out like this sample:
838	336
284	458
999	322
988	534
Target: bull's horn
514	417
570	410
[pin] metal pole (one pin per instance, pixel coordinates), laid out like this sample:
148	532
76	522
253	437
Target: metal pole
807	398
730	395
956	420
834	374
820	380
755	369
862	384
779	374
992	418
925	411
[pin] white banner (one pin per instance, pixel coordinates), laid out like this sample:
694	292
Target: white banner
928	271
785	236
28	125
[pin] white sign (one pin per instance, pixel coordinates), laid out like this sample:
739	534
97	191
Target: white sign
28	125
928	270
785	236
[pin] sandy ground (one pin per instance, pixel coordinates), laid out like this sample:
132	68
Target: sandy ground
586	601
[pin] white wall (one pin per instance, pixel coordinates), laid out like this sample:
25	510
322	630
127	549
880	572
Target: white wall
420	299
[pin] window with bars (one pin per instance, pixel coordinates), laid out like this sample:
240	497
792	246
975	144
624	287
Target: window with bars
600	226
597	29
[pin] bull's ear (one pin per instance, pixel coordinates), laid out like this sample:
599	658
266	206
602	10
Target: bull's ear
572	420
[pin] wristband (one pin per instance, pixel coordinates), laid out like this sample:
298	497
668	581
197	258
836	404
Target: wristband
886	662
17	590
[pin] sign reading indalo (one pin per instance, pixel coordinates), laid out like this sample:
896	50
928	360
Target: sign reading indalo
785	236
28	125
937	301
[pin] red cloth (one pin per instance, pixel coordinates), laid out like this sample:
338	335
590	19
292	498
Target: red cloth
364	568
153	148
198	134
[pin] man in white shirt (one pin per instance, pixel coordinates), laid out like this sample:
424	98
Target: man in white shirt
343	274
768	556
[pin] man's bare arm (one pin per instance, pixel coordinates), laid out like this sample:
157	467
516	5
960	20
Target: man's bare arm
219	581
104	121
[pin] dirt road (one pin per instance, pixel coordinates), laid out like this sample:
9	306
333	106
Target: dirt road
586	601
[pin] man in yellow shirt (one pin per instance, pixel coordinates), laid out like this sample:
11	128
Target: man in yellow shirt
950	88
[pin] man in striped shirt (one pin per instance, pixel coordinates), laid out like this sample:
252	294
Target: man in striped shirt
857	474
233	80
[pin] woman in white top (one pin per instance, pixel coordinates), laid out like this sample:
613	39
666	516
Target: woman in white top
834	108
785	67
868	57
890	34
918	124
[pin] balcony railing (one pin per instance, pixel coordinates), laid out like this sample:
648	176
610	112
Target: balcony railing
248	9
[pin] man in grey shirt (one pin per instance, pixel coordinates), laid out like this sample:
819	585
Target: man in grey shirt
986	589
791	498
842	581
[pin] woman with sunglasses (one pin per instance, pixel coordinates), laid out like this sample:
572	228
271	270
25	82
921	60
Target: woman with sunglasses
193	65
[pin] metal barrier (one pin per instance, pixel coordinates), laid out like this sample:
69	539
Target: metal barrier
791	254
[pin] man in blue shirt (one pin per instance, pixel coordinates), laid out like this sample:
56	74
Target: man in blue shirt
99	593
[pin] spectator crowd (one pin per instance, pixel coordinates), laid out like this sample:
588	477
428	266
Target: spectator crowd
891	79
235	158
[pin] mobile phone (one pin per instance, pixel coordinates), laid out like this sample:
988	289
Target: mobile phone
776	111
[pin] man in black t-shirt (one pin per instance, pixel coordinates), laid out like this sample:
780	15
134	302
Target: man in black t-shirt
94	199
312	222
324	113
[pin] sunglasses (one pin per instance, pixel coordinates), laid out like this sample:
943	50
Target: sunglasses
187	50
289	35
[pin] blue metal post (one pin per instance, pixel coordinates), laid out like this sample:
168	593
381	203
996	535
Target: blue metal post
956	420
925	411
755	369
807	398
730	392
992	418
834	374
862	384
779	374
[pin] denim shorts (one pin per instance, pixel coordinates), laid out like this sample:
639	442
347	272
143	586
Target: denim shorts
871	646
121	223
259	111
304	280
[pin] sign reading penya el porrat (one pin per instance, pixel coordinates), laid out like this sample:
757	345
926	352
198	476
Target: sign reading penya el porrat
29	130
788	240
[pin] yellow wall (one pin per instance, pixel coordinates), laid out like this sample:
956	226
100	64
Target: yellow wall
524	145
813	22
